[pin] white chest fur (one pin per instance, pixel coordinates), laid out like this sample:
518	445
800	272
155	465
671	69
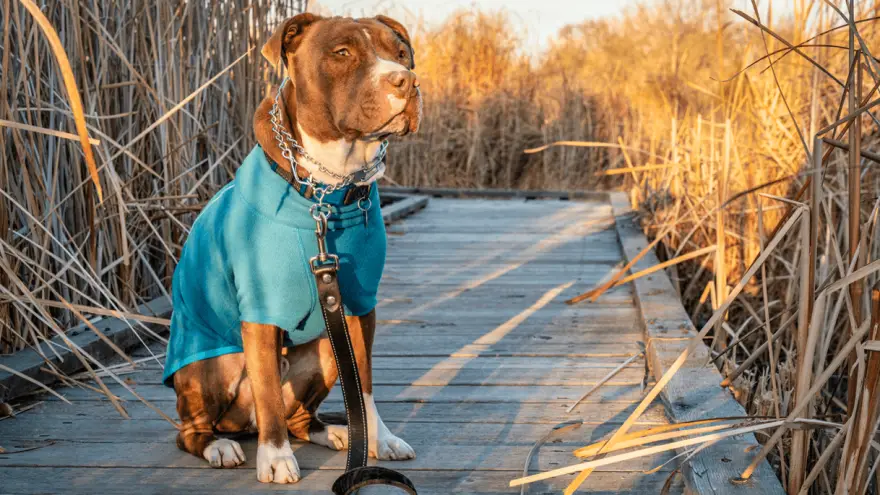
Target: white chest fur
340	157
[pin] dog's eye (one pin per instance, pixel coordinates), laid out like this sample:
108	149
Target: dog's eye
342	52
402	55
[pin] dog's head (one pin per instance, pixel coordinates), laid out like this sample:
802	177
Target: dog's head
353	78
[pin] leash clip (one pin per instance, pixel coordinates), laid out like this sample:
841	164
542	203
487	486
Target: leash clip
323	260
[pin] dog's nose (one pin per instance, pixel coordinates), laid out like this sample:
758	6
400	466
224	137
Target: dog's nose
402	82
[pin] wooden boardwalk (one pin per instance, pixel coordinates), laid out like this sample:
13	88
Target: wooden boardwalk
477	358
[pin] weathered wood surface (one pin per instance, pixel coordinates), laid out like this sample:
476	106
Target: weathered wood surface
477	358
31	361
694	392
170	480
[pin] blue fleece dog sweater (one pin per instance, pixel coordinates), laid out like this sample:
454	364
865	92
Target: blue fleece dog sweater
247	259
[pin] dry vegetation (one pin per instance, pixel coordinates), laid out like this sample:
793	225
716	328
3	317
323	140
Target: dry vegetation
709	162
169	91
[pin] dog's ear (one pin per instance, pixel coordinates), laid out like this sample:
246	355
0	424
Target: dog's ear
287	37
401	33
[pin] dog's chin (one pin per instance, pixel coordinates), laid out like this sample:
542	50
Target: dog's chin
399	125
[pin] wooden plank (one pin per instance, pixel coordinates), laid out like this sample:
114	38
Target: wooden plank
582	222
424	412
554	309
507	297
436	262
157	449
556	333
694	391
512	328
538	377
476	254
446	348
521	275
477	230
495	363
424	292
493	218
602	234
499	193
477	270
243	480
532	314
402	393
416	295
501	214
403	208
487	203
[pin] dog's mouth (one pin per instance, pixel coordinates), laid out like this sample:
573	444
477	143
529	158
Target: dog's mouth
404	122
398	125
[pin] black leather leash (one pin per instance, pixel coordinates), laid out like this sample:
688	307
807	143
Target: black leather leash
357	474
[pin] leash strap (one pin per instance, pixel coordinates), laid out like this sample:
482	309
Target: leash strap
357	474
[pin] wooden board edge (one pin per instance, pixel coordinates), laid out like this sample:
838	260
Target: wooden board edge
118	331
694	392
121	332
404	207
446	192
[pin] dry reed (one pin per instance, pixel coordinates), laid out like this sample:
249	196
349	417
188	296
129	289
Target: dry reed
168	91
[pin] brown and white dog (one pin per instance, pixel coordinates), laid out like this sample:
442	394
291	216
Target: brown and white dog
351	86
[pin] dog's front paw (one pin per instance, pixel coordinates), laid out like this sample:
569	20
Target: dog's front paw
389	447
276	464
224	453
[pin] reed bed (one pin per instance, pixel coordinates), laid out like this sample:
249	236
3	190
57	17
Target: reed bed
168	91
732	132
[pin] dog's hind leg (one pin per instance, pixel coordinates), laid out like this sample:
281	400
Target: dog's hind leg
200	405
312	372
306	425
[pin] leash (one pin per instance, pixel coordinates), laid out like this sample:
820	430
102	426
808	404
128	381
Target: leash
357	474
325	268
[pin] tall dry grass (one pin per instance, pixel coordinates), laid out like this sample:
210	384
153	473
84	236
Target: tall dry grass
169	90
486	101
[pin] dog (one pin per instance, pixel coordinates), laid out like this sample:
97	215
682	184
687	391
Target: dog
247	350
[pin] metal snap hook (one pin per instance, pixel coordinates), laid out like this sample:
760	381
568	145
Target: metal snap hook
320	212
